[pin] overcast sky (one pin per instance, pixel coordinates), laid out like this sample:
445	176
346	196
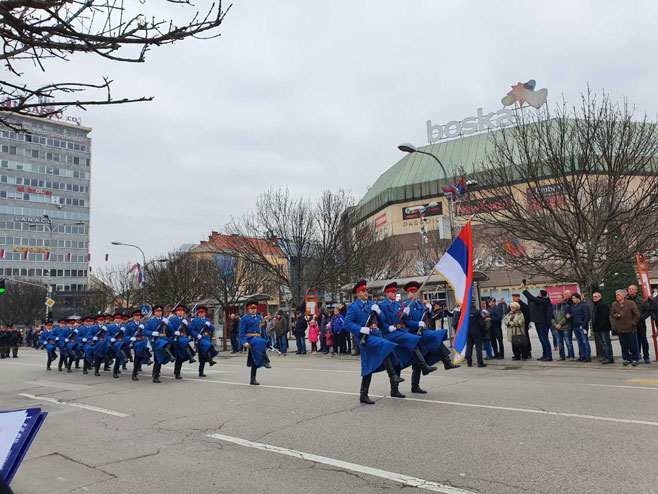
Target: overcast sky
316	95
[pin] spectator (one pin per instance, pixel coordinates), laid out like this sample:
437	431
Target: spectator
644	309
626	316
337	323
4	342
300	333
580	324
28	337
496	317
475	330
322	325
281	332
234	329
438	315
486	334
269	331
330	339
525	310
13	341
516	332
562	325
313	333
601	326
503	306
540	314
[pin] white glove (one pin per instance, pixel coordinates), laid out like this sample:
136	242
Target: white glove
185	322
132	338
66	340
406	311
177	333
122	329
199	337
95	338
57	339
421	324
165	320
75	331
429	306
112	340
84	340
141	326
392	328
104	328
376	309
207	323
155	333
365	330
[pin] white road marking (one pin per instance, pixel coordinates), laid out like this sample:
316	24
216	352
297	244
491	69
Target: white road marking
620	386
76	405
449	403
344	465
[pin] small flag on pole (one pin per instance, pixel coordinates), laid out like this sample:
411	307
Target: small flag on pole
2	253
68	257
456	267
48	256
88	257
138	268
107	256
461	186
25	254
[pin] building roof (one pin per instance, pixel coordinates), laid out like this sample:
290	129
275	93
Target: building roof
417	176
227	243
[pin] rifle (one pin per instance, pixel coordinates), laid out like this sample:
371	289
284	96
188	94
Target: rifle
364	338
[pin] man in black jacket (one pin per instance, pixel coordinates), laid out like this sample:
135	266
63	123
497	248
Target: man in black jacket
641	328
496	316
540	314
300	333
601	326
234	329
475	329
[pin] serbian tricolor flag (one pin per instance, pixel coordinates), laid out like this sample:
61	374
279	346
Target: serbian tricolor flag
449	190
2	253
25	254
68	257
138	268
456	267
461	186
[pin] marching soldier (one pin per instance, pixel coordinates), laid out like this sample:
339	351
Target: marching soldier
409	350
377	353
118	343
204	332
48	342
60	336
101	345
89	338
139	342
125	319
251	337
156	330
415	315
79	324
178	334
72	346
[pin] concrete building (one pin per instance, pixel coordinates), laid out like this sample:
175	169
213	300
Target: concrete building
45	172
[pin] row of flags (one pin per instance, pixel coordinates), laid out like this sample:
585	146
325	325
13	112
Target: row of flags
461	188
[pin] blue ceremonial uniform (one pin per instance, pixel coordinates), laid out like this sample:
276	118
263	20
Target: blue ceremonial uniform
251	331
140	345
432	340
160	342
407	342
377	348
182	341
102	344
201	326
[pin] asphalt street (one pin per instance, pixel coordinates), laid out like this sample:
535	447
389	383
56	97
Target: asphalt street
507	428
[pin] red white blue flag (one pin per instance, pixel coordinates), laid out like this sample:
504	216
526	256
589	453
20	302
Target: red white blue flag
138	268
456	267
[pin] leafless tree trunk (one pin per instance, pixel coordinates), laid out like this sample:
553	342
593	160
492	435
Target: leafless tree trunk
122	286
178	280
22	304
572	194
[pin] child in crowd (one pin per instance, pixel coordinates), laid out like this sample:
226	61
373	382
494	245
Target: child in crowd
313	335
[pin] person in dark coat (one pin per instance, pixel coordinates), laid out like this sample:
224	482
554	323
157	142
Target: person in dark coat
234	329
641	328
601	326
475	330
496	315
580	317
300	333
12	342
540	314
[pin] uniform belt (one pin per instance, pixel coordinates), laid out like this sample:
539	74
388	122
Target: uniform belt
162	334
140	338
253	334
118	339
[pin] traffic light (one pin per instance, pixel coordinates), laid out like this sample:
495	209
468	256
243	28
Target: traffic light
2	285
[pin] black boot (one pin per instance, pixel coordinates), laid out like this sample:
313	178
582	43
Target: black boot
115	371
135	369
395	391
177	367
365	386
420	361
156	372
253	381
202	365
60	364
97	367
390	370
266	360
69	363
50	359
77	363
415	381
446	359
190	355
84	367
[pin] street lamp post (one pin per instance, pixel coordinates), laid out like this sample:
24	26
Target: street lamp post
410	148
136	247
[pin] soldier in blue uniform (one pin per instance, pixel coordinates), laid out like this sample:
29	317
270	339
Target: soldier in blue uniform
377	353
203	330
79	354
72	345
409	347
177	332
101	344
139	342
125	319
118	343
416	317
59	343
47	341
252	337
156	330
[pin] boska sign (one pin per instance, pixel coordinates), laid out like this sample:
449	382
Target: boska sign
470	125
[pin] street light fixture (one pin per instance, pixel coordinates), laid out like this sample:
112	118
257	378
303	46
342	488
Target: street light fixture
115	242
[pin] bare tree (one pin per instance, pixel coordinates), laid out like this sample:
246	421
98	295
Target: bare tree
36	31
323	246
572	194
178	280
22	304
120	284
